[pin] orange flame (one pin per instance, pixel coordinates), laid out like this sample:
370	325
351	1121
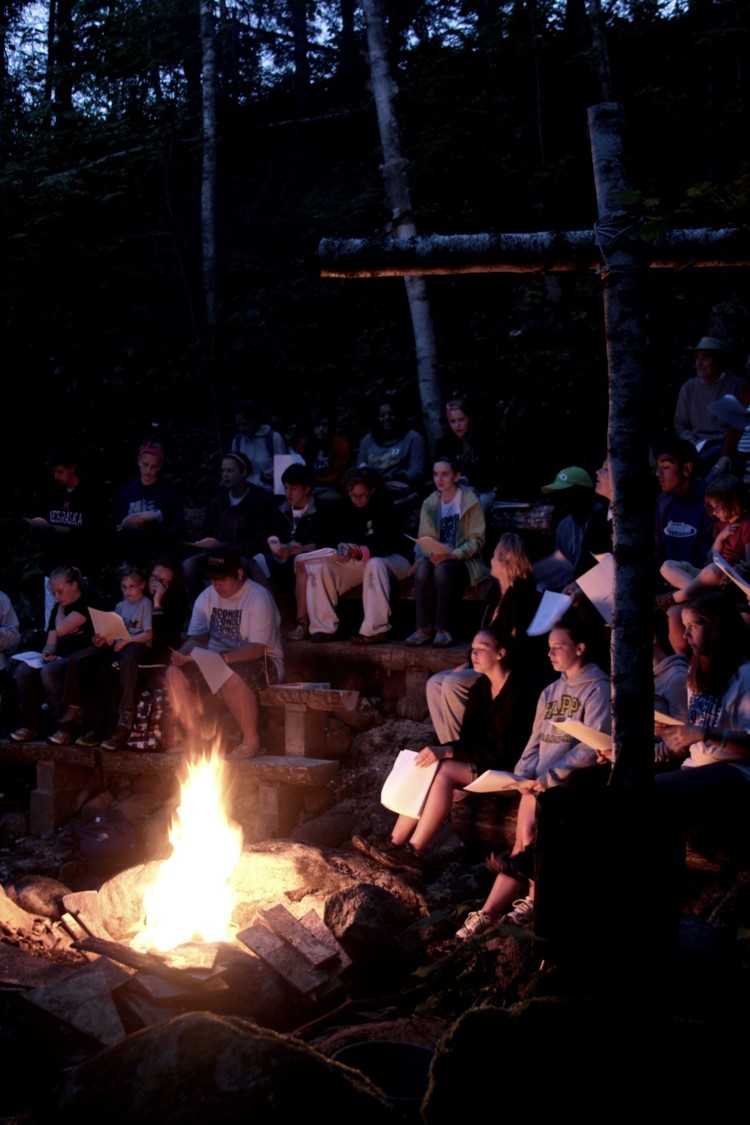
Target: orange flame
191	898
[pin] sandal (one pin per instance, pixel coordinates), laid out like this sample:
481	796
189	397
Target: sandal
243	752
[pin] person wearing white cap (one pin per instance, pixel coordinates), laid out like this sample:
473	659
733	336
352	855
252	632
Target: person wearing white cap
693	420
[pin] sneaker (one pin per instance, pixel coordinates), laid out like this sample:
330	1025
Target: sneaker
61	737
419	637
522	913
476	923
396	857
118	740
23	734
298	632
88	741
442	639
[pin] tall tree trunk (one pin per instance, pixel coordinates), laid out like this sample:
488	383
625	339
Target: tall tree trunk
208	178
402	218
623	282
208	201
298	18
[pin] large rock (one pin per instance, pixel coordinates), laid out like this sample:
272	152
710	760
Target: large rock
200	1067
371	924
582	1057
39	895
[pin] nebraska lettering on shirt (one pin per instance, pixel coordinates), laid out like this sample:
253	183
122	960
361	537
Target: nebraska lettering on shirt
225	627
566	707
72	519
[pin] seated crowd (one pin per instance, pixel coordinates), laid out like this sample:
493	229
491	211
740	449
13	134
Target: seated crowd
212	612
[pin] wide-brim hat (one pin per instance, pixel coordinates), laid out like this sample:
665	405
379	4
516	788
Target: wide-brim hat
568	478
711	344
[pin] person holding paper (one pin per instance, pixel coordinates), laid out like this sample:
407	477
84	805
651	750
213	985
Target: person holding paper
510	606
453	519
234	619
495	724
369	552
713	783
302	523
88	682
727	501
69	631
550	757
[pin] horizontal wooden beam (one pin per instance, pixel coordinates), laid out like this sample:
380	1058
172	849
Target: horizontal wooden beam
537	252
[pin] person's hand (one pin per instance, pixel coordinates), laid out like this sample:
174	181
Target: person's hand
430	754
139	520
436	560
724	534
48	655
119	644
722	466
573	590
604	757
179	659
678	738
98	640
530	785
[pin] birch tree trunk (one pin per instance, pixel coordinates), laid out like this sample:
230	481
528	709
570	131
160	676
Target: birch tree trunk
402	218
208	177
623	284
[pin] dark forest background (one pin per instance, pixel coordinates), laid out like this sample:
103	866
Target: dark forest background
103	310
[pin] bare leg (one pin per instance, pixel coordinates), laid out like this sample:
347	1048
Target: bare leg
450	775
504	889
710	577
243	705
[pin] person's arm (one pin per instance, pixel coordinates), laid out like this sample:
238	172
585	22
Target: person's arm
182	655
682	416
474	528
413	472
9	631
717	739
595	713
71	623
527	764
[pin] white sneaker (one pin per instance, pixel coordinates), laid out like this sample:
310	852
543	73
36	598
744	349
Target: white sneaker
522	913
476	923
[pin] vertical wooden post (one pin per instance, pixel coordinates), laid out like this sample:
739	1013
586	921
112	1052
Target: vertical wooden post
623	281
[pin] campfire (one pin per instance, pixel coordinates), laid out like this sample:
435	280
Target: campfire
191	898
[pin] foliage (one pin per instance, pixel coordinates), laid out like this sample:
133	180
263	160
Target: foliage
102	305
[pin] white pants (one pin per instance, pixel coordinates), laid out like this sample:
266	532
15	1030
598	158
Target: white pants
447	693
328	580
